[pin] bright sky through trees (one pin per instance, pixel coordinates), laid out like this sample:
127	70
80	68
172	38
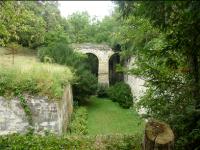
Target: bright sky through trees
94	8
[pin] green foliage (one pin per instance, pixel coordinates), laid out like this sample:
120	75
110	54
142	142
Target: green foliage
42	79
26	108
84	87
78	125
105	30
57	36
113	142
78	26
85	83
20	25
167	57
121	93
34	24
29	23
16	141
82	28
59	51
102	90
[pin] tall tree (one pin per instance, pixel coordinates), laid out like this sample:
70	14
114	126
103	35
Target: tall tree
164	37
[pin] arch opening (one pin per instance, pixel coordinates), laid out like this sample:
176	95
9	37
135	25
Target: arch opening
115	76
92	63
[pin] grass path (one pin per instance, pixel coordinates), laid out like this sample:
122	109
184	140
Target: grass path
107	117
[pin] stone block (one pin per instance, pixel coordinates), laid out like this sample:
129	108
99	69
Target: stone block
47	115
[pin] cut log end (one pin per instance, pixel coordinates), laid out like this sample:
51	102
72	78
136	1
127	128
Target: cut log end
158	135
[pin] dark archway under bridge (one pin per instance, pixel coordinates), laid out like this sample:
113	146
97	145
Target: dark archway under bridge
107	60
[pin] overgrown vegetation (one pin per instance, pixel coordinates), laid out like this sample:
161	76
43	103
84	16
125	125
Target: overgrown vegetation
102	91
78	125
84	87
26	108
60	52
31	142
42	79
54	35
38	23
164	38
121	93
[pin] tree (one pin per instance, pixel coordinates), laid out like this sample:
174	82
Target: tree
27	23
167	56
78	24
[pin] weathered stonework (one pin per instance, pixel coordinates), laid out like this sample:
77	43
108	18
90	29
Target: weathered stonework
103	53
47	115
136	84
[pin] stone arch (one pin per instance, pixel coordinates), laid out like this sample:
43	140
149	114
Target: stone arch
90	51
103	53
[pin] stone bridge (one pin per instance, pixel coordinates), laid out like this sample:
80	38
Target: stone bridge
103	53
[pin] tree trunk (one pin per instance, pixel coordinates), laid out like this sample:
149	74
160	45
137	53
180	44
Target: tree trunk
158	136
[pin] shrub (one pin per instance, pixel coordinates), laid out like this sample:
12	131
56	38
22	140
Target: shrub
85	86
58	52
62	53
78	124
102	90
33	142
121	93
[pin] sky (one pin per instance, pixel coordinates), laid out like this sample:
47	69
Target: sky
94	8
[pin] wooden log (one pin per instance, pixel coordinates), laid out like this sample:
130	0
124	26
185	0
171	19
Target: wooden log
158	136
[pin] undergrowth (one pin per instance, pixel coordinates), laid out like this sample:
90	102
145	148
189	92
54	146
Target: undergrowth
37	78
78	124
53	142
25	107
121	93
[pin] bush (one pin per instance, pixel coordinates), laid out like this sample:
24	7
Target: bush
102	91
38	142
60	52
85	86
78	124
121	93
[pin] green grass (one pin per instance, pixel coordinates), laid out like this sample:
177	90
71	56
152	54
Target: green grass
23	56
107	117
27	74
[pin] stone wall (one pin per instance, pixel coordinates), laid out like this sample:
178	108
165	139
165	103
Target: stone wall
47	115
136	84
